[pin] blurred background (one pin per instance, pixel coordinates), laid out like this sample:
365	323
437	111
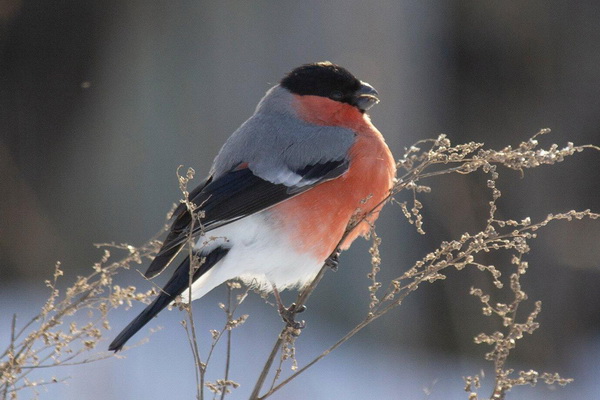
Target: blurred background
100	102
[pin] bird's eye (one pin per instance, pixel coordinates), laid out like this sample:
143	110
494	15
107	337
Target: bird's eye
336	95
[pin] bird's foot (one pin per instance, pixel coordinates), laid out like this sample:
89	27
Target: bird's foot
333	260
289	316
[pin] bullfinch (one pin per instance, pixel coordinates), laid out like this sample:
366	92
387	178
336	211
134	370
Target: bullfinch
281	191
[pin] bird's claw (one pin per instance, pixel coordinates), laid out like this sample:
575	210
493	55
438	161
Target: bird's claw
333	260
288	315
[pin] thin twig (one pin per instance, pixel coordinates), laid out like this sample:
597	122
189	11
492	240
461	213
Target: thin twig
228	353
197	360
11	348
267	367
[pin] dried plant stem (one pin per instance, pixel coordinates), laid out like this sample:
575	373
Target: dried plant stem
526	156
200	370
267	367
228	352
44	342
361	325
11	347
354	331
403	291
221	386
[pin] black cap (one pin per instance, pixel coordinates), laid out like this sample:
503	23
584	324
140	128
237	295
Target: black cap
323	79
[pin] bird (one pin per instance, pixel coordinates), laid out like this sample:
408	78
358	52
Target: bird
281	192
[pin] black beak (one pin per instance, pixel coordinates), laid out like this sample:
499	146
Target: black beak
365	97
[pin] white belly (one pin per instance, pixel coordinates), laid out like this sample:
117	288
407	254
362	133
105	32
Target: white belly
260	255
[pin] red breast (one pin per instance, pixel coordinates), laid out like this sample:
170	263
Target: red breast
317	218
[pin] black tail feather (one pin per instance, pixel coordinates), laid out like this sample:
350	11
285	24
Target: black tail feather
174	287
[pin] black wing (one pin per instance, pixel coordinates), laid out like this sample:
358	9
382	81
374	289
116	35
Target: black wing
232	196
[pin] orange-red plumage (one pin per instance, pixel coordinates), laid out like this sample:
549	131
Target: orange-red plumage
318	217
